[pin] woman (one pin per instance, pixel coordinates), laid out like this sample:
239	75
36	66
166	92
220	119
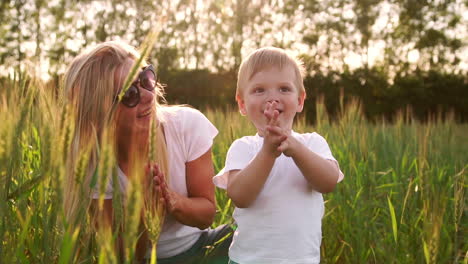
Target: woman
183	171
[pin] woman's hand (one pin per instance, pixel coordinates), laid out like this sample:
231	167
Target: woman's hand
198	208
167	198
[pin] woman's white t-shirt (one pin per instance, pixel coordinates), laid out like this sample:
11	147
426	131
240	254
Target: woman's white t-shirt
189	134
283	225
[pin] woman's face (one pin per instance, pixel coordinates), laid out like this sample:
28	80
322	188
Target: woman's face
134	123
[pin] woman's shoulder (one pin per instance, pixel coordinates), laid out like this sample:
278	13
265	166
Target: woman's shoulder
184	119
178	112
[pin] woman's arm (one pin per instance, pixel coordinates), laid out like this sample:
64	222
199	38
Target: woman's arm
198	209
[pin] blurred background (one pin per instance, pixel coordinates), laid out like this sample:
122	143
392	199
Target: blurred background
387	85
394	56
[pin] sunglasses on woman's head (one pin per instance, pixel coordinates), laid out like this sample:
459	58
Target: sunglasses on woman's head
146	80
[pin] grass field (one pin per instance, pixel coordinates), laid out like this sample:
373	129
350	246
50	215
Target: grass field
403	199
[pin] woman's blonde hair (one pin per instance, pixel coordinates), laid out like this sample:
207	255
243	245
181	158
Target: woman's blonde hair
91	90
265	58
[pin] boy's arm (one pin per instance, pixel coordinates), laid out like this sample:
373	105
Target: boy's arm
245	185
322	174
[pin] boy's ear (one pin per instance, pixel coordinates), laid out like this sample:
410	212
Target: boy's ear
241	104
300	104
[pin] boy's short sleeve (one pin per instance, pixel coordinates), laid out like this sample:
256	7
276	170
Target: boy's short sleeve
319	145
238	157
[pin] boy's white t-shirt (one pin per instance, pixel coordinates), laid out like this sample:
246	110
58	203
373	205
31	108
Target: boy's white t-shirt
283	225
189	134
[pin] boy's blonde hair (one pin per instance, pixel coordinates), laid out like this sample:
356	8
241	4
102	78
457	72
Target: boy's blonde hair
265	58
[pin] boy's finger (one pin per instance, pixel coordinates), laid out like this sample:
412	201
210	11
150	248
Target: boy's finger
274	105
270	110
282	139
283	146
274	130
275	117
277	131
267	112
267	108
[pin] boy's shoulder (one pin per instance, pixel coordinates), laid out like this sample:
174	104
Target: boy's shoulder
310	139
307	135
248	141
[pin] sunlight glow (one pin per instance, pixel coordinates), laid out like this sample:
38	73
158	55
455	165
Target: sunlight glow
353	60
348	14
131	12
328	48
376	51
413	56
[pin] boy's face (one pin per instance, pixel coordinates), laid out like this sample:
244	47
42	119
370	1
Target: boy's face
267	86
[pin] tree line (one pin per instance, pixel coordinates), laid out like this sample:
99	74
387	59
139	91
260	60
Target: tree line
391	55
423	95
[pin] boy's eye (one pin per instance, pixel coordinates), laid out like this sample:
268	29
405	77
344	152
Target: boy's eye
258	90
284	89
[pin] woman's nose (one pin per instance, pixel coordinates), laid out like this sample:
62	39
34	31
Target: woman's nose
146	96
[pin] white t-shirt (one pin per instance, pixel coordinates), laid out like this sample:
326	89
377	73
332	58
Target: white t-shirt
283	225
189	134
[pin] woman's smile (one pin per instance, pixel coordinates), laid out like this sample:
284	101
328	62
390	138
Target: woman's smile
145	113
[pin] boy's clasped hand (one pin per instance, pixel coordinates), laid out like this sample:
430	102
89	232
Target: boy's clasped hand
276	137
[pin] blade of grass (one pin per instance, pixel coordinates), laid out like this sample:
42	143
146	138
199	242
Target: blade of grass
394	222
68	243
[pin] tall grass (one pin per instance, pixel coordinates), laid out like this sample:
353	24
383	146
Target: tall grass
403	198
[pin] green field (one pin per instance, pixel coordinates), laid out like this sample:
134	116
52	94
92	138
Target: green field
403	198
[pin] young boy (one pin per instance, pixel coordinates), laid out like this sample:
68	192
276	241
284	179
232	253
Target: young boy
276	178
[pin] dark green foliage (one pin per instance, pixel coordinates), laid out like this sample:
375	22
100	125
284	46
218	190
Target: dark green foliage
427	95
201	88
200	47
